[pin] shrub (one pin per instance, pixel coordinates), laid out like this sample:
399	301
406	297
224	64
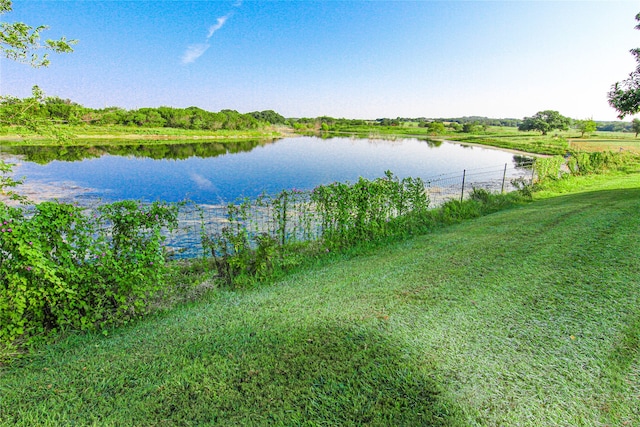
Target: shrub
64	267
455	210
524	187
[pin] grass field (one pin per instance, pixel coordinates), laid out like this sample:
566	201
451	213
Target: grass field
554	142
88	135
527	317
603	141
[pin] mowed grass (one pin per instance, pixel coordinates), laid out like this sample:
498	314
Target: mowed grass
527	317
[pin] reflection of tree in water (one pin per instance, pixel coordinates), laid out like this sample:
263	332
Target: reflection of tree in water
174	151
523	161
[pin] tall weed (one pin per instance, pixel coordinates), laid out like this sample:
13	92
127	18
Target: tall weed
548	167
338	215
584	163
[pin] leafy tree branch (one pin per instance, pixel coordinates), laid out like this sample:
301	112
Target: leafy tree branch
624	96
21	42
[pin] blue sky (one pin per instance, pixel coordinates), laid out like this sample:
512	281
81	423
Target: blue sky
360	59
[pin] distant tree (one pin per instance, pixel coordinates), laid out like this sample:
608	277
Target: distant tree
544	121
457	127
471	127
635	126
614	126
624	96
268	116
325	122
111	116
200	119
235	120
176	117
436	128
19	41
63	110
388	122
586	126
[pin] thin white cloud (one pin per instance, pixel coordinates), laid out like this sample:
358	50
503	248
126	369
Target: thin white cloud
220	22
194	52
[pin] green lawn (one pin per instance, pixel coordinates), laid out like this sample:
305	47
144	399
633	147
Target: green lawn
528	317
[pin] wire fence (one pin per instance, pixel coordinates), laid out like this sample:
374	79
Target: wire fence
301	224
295	217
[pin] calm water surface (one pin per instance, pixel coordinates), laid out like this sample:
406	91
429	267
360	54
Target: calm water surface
300	162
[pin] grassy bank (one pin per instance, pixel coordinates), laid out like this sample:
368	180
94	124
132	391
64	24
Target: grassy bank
554	143
90	135
524	317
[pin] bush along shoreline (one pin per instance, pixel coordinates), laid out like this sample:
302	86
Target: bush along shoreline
66	268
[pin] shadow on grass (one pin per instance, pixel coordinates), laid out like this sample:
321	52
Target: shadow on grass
236	373
328	375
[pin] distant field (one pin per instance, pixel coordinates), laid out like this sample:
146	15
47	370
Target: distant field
553	143
603	141
556	142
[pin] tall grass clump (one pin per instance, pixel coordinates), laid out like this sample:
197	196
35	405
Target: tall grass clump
548	167
579	163
584	163
480	202
367	210
267	234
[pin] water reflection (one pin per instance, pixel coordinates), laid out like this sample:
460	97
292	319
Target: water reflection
219	172
141	149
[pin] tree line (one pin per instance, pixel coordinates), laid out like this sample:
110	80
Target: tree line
65	111
542	121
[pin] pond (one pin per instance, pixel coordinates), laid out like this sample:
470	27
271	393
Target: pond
215	173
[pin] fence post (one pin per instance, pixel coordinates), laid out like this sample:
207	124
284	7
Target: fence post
504	175
533	170
464	173
284	218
